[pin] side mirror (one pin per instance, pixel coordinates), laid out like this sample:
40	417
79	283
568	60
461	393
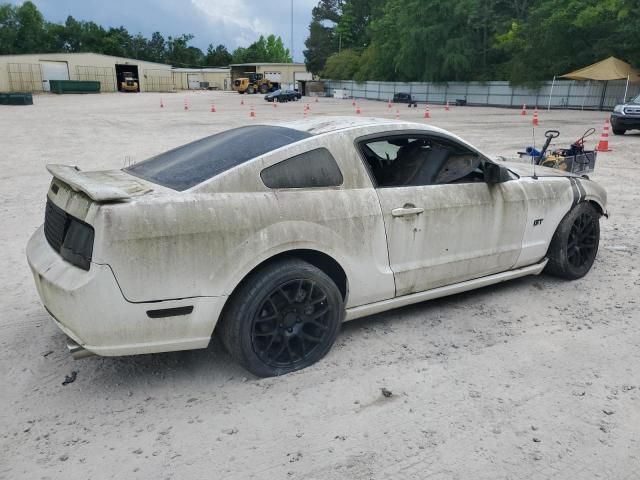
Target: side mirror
494	173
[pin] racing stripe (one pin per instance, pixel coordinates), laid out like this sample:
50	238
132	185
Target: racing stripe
583	192
576	192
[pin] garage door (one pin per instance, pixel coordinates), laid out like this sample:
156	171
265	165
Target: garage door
194	81
53	71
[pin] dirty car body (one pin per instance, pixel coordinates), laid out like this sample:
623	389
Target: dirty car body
149	258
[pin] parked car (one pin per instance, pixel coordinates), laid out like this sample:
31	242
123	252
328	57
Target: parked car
270	236
283	96
404	98
626	116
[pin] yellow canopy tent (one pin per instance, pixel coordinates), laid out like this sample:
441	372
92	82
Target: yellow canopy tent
609	69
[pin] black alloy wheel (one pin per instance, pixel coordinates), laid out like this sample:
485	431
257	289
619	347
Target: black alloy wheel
574	245
292	322
282	318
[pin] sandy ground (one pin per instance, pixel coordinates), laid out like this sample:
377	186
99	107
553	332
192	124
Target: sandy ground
536	379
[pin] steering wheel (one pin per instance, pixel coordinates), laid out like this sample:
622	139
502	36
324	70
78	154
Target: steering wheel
550	134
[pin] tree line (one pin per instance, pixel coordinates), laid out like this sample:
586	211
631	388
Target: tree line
23	29
523	41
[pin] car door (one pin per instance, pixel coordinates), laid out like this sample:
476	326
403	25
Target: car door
444	223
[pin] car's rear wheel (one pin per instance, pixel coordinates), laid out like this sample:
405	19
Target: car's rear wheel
283	318
575	243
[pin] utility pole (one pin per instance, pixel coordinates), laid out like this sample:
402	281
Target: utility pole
291	45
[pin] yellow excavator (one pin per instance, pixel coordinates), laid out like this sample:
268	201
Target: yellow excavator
254	83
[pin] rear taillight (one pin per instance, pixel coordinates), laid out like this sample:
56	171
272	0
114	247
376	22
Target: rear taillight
77	247
70	237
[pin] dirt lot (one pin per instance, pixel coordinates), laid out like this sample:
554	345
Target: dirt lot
537	378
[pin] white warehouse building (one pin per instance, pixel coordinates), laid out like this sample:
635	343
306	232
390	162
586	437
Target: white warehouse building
33	72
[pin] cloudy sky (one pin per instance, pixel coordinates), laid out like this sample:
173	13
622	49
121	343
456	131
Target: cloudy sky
230	22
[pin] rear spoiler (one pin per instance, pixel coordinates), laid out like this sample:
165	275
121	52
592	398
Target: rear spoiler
104	186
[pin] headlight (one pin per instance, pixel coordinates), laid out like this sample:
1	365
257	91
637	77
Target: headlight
618	109
77	247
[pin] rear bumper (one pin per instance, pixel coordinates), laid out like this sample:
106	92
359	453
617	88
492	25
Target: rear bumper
623	121
89	307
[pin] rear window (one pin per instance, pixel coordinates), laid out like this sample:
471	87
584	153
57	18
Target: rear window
191	164
313	169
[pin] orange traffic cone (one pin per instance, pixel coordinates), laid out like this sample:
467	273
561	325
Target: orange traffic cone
242	101
389	103
213	107
358	110
317	100
253	112
446	107
353	102
603	144
186	105
523	112
397	114
275	103
535	118
161	104
426	112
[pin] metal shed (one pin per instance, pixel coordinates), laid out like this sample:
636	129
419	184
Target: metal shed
289	74
193	78
33	72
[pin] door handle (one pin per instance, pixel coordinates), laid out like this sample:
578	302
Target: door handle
406	210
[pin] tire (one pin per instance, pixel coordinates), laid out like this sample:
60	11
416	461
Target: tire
251	89
264	88
284	317
575	243
618	131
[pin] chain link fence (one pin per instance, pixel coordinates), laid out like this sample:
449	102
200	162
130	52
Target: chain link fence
157	80
105	75
25	77
588	95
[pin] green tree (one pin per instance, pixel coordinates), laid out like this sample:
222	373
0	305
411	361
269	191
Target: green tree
322	41
342	66
345	27
270	49
319	46
156	48
276	51
117	42
179	53
31	33
8	29
217	56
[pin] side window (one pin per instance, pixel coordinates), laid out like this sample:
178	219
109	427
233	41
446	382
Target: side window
316	168
398	161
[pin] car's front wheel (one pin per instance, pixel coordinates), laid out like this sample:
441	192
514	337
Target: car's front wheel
618	130
283	318
575	243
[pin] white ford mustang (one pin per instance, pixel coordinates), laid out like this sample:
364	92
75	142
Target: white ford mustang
274	234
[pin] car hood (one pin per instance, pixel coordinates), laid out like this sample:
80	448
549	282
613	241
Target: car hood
527	170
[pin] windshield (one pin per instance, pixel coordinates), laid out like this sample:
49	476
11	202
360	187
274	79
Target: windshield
191	164
635	100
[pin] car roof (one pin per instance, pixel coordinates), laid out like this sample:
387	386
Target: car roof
320	125
332	124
